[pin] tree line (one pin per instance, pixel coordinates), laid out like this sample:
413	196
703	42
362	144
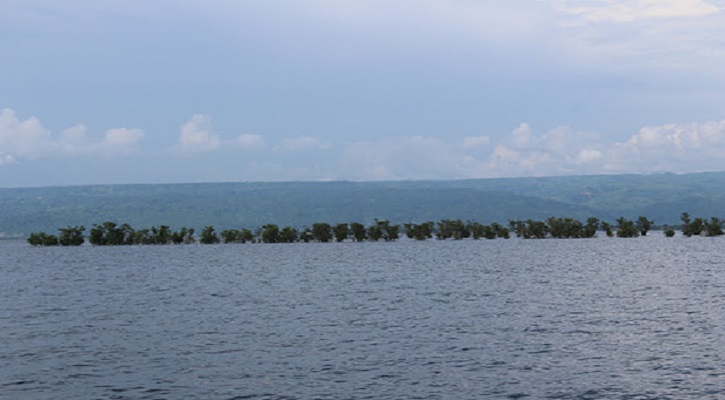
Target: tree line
111	233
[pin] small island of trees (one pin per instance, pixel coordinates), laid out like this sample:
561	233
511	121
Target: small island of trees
112	234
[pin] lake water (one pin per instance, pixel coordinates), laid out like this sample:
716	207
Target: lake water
598	318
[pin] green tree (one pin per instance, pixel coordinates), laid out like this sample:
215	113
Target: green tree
501	231
686	224
714	227
43	239
607	227
452	228
230	236
208	235
270	233
71	236
590	229
375	232
643	225
359	233
245	235
626	228
322	232
419	231
179	237
520	229
288	235
390	232
341	231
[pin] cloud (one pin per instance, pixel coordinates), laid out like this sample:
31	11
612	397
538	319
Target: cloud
635	10
470	142
672	147
28	139
23	138
119	141
249	141
302	143
196	136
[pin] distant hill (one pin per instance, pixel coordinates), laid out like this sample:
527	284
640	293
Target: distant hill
661	197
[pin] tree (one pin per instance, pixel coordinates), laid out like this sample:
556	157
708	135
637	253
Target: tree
476	229
245	235
288	235
43	239
607	229
590	229
230	236
669	232
208	236
71	236
455	229
643	224
519	228
714	227
626	228
686	224
358	231
322	232
270	233
390	232
375	232
537	229
419	231
341	231
500	230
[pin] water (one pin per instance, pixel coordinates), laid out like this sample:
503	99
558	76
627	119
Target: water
551	319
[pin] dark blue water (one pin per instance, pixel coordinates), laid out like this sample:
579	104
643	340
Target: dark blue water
553	319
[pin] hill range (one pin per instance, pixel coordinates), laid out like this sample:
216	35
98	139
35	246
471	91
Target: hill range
661	197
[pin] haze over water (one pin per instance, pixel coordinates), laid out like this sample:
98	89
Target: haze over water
560	319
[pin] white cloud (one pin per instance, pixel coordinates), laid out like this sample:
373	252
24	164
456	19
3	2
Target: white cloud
670	148
196	135
634	10
23	139
302	143
119	141
28	139
250	141
587	156
470	142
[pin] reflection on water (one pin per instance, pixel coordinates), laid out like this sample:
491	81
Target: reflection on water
558	319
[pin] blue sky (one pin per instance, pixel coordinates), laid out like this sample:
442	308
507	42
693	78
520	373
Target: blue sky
140	91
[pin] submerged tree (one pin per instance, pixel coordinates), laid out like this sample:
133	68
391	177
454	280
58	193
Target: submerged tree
419	231
270	233
229	236
71	236
208	235
643	224
359	233
341	231
288	234
322	232
607	229
714	227
626	228
43	239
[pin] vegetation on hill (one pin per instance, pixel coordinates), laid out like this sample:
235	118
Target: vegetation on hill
230	205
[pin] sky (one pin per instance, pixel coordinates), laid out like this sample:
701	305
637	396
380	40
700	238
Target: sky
166	91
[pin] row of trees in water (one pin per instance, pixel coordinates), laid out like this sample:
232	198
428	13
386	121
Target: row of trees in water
111	233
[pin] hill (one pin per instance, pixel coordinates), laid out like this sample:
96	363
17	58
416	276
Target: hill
660	197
